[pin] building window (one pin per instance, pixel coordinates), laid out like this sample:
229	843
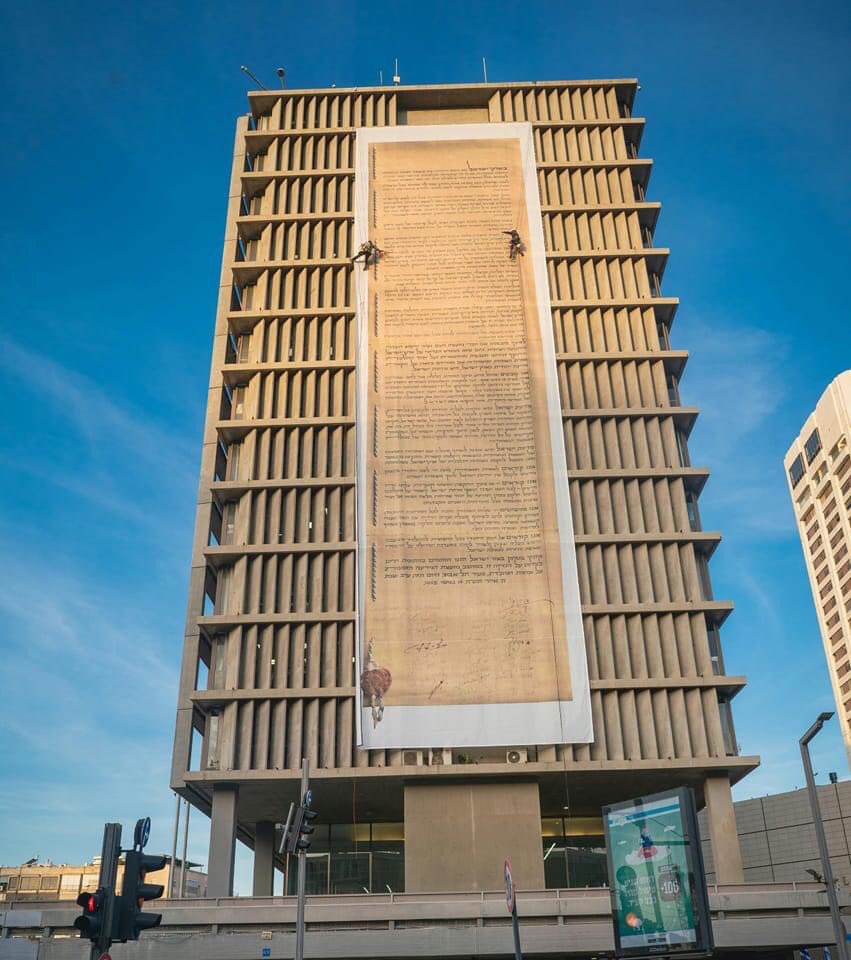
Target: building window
574	852
727	730
812	446
673	391
715	655
796	471
29	883
355	858
682	448
693	514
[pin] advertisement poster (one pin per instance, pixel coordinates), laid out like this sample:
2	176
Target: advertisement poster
659	900
470	628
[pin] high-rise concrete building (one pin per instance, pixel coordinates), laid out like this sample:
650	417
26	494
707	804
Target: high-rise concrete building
271	659
818	471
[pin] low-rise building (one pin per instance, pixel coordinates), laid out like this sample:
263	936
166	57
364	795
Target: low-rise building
61	881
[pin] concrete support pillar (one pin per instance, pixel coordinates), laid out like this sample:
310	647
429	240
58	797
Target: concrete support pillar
722	827
264	859
222	840
457	835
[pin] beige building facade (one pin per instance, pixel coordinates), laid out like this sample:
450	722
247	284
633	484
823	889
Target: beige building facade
269	665
62	881
818	471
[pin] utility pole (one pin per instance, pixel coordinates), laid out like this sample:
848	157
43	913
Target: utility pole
838	927
302	869
97	921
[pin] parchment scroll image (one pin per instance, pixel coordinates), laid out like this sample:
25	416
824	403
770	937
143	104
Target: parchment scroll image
469	623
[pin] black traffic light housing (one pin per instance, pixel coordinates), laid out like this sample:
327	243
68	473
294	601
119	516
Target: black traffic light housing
132	920
298	837
91	923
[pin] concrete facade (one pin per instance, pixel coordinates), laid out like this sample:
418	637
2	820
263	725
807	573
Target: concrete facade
777	837
818	472
268	665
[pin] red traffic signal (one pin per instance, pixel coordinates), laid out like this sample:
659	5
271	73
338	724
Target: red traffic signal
90	922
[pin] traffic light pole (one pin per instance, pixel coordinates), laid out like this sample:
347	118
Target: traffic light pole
109	855
302	873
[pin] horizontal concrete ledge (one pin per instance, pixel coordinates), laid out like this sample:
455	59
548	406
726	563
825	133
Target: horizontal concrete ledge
734	766
419	925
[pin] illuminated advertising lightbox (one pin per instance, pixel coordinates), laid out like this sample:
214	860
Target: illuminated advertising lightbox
656	876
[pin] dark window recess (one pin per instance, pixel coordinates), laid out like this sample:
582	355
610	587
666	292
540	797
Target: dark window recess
693	513
703	576
715	655
673	391
796	471
226	404
647	236
728	731
812	446
663	335
682	449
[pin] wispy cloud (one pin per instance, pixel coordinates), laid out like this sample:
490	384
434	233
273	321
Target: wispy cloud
118	455
736	377
88	694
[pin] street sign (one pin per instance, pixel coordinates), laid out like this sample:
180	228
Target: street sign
510	899
141	833
308	797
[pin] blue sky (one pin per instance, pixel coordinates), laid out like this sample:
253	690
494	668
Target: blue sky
118	122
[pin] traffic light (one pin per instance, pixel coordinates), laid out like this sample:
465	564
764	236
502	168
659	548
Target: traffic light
301	829
132	920
92	922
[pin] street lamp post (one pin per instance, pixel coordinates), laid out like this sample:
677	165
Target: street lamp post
838	928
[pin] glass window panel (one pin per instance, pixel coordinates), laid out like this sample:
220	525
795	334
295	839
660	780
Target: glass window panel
555	865
796	471
29	883
583	826
812	446
350	872
552	827
388	831
586	862
350	831
388	868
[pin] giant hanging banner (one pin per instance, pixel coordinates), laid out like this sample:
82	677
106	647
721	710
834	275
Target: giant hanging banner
470	631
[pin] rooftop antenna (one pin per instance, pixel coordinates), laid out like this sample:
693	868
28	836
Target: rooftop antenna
485	69
281	74
381	78
396	78
250	74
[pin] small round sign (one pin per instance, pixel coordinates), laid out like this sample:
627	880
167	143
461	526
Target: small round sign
142	832
308	797
510	900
